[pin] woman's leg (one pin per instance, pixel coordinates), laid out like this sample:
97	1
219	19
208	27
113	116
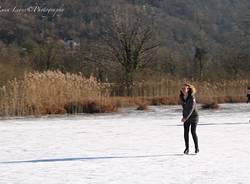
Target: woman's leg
194	134
186	133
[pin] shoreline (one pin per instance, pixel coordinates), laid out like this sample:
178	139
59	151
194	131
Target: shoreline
86	115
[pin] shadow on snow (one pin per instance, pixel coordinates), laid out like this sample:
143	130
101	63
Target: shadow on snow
89	158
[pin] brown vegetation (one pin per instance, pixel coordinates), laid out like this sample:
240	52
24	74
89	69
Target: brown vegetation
166	91
90	106
54	92
142	107
210	106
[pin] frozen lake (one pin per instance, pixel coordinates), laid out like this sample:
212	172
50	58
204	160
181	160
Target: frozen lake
126	148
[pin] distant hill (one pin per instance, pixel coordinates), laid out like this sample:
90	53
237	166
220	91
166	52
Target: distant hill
177	21
180	25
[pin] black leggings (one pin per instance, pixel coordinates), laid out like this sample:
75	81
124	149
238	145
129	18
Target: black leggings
192	121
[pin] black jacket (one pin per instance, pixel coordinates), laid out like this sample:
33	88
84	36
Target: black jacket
189	106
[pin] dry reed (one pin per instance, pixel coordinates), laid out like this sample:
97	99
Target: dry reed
166	91
210	106
53	92
142	107
49	92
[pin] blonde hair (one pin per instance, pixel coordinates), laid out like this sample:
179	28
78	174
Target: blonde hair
191	87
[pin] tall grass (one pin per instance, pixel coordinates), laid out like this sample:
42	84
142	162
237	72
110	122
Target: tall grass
51	92
54	92
219	92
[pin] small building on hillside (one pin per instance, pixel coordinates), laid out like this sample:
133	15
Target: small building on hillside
72	44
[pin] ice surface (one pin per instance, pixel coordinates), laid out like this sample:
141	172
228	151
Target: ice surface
129	147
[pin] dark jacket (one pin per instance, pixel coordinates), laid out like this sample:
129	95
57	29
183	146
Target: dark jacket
248	98
188	105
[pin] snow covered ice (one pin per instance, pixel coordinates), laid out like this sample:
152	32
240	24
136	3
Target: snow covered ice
129	147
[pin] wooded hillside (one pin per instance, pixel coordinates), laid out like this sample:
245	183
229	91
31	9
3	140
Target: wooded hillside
200	39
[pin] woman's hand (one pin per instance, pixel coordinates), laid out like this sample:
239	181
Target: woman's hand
183	120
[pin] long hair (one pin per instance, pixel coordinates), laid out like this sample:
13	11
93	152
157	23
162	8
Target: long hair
191	90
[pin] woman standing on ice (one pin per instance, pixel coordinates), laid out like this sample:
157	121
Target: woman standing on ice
190	115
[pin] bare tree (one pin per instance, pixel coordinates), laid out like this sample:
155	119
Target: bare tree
201	46
131	44
47	55
200	61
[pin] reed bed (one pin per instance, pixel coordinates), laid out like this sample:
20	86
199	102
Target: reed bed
52	92
166	91
212	105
